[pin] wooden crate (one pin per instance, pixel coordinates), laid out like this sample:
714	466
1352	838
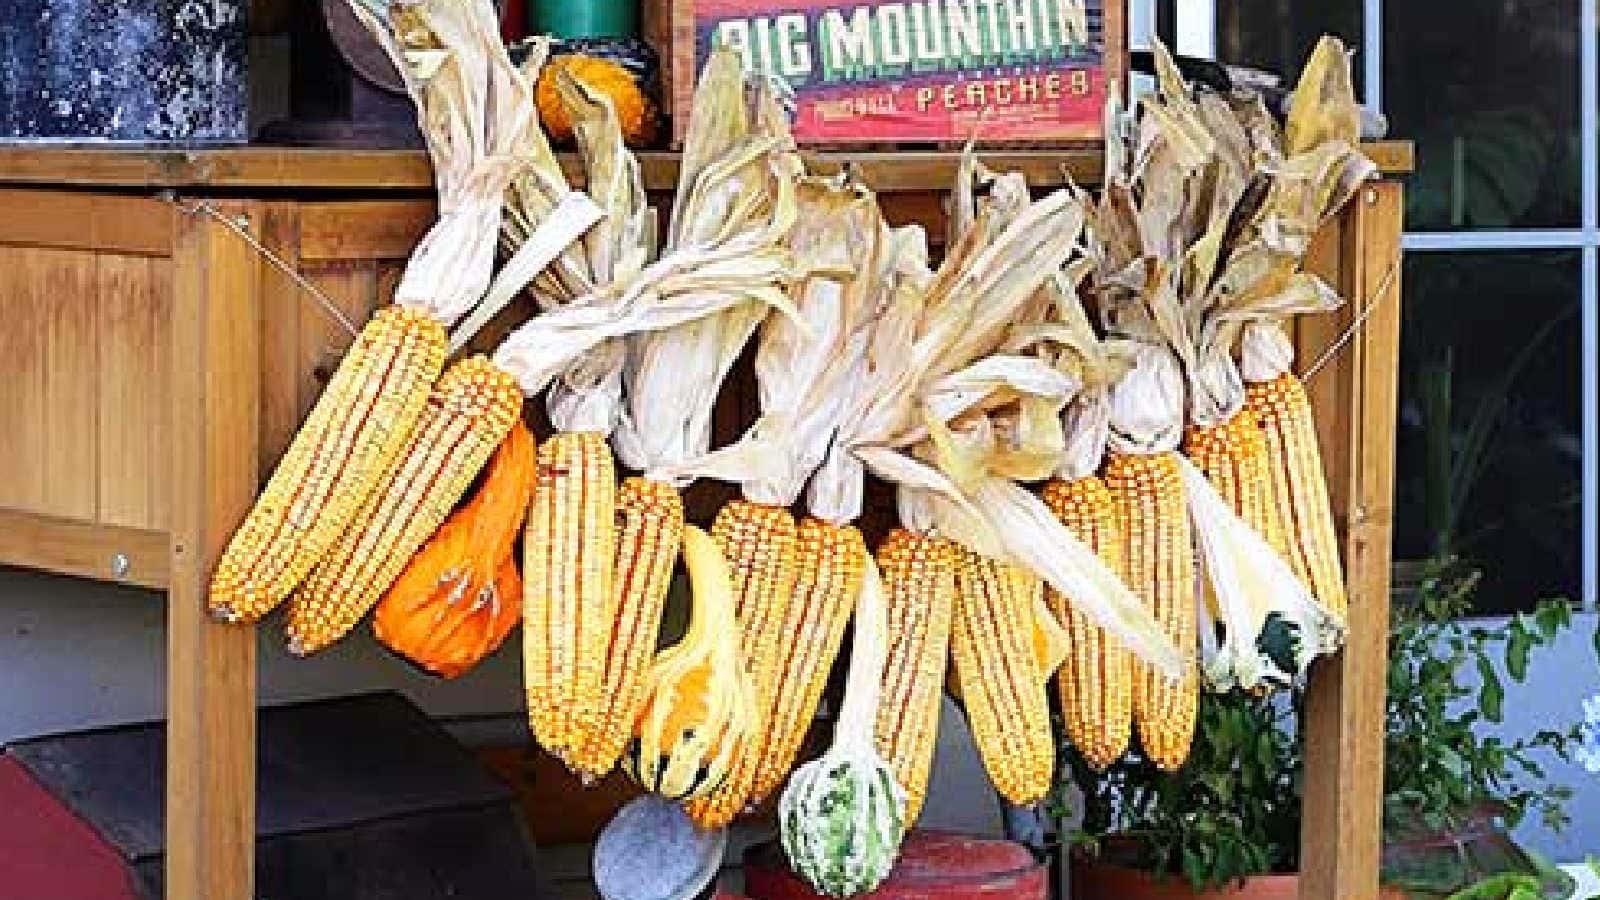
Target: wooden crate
669	27
156	365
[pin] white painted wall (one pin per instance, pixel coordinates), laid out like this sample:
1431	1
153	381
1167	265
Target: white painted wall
78	654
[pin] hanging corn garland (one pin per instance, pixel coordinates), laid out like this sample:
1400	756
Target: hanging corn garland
1050	529
381	419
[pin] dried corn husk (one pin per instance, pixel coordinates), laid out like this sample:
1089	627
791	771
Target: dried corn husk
475	111
1250	583
744	187
836	491
531	199
805	368
1310	169
1068	342
952	421
587	396
1323	107
737	188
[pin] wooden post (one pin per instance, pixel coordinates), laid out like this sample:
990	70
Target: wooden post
1355	397
211	667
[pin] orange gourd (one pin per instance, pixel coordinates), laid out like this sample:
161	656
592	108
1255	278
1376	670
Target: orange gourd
461	594
636	115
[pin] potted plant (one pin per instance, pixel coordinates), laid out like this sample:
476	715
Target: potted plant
1452	794
1228	823
1225	824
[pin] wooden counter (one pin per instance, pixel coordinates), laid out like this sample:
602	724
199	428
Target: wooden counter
156	365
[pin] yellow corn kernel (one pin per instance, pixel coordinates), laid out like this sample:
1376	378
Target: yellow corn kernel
919	575
1298	487
569	550
466	417
1233	456
357	429
831	562
760	543
1096	681
1159	544
649	533
996	662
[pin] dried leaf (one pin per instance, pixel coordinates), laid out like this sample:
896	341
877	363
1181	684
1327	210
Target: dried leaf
1323	106
736	195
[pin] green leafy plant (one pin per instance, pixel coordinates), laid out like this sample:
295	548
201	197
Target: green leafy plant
1503	887
1438	770
1231	812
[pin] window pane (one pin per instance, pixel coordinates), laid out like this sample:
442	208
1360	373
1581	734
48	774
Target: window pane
1277	35
1489	91
1490	444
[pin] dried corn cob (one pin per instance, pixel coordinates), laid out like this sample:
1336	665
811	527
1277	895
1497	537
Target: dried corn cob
1148	490
465	418
920	584
760	545
1096	682
649	532
357	429
994	643
1298	486
830	565
569	550
1233	455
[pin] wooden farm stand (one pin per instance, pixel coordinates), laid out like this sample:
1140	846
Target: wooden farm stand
155	364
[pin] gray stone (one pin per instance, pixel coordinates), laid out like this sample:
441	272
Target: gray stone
651	851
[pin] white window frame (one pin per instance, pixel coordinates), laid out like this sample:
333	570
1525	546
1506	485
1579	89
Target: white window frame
1196	34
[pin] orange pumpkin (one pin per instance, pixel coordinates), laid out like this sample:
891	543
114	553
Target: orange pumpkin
461	594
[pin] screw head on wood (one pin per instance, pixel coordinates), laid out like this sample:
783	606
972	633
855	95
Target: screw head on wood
120	565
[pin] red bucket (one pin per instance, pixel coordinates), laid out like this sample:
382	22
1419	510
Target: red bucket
933	865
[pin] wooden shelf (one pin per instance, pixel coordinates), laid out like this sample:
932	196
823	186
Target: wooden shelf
170	365
300	169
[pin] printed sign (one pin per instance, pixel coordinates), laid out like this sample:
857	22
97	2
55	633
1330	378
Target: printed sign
934	70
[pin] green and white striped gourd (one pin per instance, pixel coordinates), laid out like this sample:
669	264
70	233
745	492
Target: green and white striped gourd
842	817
